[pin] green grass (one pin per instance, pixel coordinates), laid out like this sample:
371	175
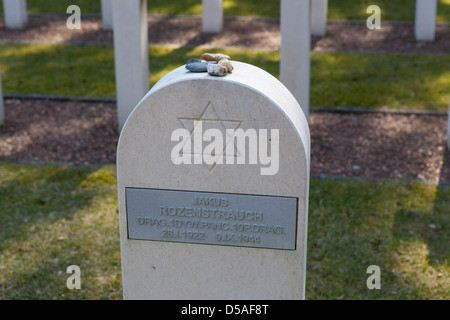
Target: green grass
52	217
60	6
391	10
391	81
356	224
388	81
58	70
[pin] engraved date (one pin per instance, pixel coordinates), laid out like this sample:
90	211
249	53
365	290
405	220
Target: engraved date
238	237
185	234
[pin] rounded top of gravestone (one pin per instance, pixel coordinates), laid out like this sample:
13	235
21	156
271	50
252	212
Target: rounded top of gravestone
251	77
250	100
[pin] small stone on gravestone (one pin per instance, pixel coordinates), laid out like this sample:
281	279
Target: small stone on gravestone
215	56
227	64
215	64
204	211
217	70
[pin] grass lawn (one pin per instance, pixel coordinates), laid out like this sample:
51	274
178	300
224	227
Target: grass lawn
391	10
52	217
391	81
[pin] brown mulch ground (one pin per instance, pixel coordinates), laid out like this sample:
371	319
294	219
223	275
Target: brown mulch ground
237	32
362	145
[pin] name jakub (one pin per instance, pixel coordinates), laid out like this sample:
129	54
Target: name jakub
211	201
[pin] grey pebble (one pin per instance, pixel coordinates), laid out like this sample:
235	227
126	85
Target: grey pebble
197	67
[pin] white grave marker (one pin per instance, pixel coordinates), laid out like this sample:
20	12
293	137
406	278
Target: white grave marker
15	12
107	14
212	16
207	228
295	50
425	24
130	54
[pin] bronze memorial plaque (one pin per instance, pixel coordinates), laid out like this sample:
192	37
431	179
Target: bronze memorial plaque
212	218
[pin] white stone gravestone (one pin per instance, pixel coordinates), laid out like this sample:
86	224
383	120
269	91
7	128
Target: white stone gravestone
425	23
295	49
319	9
204	213
130	54
15	11
107	15
2	109
212	16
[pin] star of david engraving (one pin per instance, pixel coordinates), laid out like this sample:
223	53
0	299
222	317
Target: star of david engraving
209	116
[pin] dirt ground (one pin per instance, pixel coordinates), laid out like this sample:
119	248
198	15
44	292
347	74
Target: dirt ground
342	144
370	145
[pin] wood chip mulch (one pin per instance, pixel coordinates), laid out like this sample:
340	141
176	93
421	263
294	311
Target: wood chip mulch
343	144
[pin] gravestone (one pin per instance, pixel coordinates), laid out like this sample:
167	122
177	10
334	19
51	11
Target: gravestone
295	49
319	9
198	222
425	23
16	16
107	15
2	110
130	54
212	16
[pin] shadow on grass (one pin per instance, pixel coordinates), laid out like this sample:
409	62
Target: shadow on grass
29	202
353	225
421	253
44	194
43	210
429	226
